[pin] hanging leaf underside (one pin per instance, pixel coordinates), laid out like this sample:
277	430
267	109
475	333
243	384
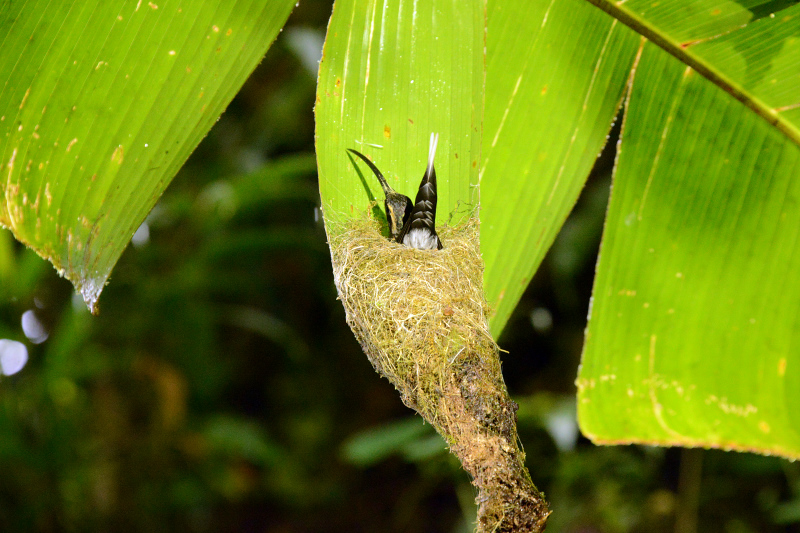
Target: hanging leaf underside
100	105
692	337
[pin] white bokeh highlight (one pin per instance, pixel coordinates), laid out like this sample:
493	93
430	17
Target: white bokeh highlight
13	356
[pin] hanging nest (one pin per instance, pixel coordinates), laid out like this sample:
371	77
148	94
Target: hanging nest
420	316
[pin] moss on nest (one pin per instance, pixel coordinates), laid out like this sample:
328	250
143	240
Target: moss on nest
420	316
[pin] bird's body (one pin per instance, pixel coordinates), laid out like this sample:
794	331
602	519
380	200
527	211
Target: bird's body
398	206
419	230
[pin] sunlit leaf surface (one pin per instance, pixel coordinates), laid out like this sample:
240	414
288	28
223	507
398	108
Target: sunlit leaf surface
555	77
101	103
692	337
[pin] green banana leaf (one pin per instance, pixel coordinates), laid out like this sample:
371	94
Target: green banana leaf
692	337
552	92
100	105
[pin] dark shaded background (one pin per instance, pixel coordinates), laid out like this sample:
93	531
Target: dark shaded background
221	390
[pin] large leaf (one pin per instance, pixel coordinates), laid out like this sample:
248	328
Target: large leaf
692	336
391	74
100	105
556	73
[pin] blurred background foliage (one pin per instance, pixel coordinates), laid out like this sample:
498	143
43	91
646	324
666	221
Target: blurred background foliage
221	390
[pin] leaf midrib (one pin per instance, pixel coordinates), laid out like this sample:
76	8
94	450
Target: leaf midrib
653	34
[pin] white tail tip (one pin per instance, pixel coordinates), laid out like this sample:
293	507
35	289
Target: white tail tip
432	150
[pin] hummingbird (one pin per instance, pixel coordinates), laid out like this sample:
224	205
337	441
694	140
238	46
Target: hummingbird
398	206
419	229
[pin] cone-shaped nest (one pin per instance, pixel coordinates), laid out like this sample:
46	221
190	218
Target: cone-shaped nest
420	316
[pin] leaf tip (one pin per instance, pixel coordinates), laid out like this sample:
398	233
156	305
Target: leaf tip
90	291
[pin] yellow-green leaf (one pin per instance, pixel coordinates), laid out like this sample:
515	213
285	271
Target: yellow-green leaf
100	105
692	336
